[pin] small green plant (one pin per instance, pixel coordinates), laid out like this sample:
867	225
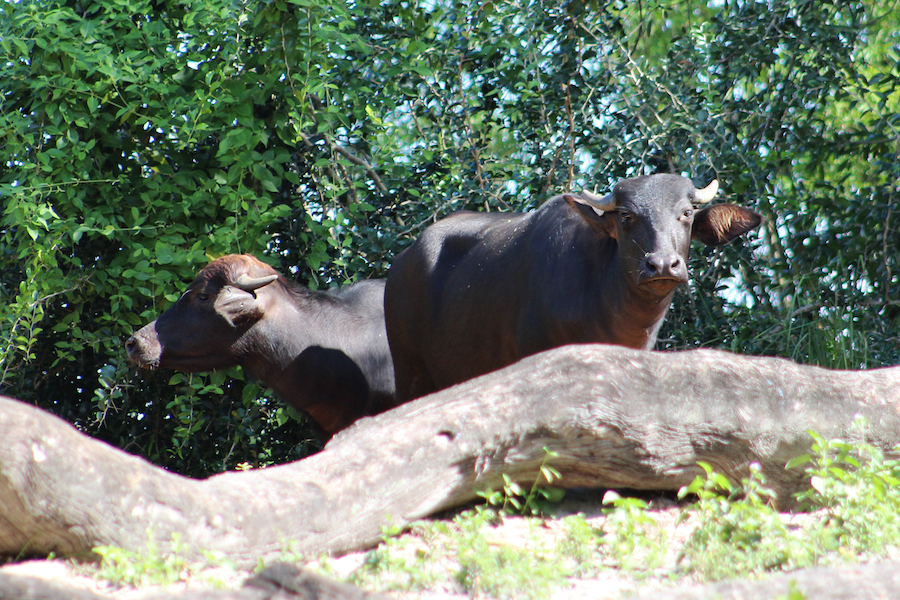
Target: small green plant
512	498
858	490
738	531
464	555
793	593
503	570
581	545
631	537
853	504
153	567
412	562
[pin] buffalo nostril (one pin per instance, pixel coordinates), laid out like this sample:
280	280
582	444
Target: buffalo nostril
655	264
662	265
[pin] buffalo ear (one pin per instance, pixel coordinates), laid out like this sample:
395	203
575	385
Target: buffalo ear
720	223
598	220
239	307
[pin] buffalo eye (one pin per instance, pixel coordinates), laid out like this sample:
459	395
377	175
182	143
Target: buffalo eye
202	297
625	218
688	213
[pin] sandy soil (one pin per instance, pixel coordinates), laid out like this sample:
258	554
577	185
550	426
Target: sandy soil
514	531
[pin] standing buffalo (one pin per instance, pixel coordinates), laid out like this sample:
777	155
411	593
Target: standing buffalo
324	353
479	291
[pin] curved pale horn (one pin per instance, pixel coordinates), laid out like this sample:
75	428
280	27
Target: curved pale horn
708	193
605	203
250	284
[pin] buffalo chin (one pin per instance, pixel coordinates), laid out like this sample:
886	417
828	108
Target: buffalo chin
661	286
189	363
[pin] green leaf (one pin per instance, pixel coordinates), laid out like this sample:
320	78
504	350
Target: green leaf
818	484
798	461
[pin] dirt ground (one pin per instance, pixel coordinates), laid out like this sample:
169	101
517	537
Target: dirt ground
667	582
610	583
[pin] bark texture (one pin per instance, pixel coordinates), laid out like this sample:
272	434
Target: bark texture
616	417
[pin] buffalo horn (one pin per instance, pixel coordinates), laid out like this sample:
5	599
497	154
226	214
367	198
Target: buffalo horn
605	203
250	284
708	193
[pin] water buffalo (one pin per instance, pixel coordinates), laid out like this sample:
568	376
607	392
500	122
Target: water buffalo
323	352
479	291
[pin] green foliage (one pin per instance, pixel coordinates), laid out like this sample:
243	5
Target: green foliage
513	499
581	545
503	570
140	139
854	506
464	555
152	567
130	162
858	490
631	537
738	532
793	593
389	567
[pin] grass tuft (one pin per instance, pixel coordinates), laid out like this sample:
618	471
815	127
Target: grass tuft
155	568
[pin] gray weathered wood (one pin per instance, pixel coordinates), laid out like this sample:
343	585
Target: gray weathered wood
616	417
21	587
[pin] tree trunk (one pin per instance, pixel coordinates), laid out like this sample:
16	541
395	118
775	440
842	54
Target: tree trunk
615	417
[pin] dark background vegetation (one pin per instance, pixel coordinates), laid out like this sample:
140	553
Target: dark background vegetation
141	138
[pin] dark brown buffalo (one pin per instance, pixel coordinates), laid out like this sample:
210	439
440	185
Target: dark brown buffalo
323	352
479	291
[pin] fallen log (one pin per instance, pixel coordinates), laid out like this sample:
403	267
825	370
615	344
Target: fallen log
616	418
18	587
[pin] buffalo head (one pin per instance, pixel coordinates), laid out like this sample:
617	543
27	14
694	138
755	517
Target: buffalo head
206	328
653	219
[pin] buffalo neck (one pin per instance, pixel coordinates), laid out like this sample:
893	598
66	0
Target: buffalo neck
634	314
642	317
273	343
584	295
